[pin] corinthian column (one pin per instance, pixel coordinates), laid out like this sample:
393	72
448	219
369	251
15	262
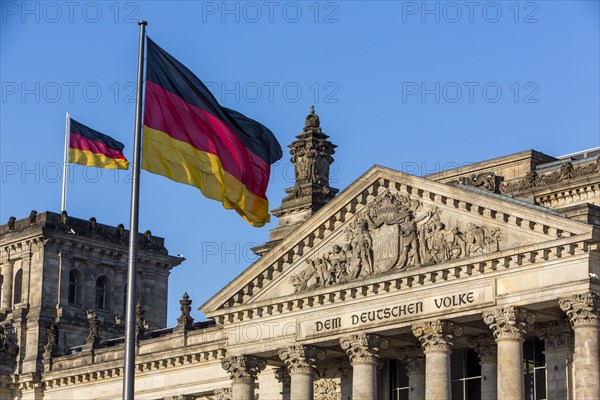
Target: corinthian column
558	348
487	352
301	361
583	312
364	351
509	326
414	361
242	372
437	339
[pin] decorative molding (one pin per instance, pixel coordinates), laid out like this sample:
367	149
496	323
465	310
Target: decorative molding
436	335
486	348
301	359
484	180
243	368
582	309
364	348
509	323
393	233
567	171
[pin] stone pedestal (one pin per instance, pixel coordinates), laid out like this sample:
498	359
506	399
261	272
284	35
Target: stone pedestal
242	372
300	362
558	344
487	351
437	339
583	312
364	351
509	326
414	362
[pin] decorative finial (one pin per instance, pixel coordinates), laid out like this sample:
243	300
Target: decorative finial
312	120
93	339
312	109
185	320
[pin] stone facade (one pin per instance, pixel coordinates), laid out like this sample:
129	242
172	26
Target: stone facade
391	280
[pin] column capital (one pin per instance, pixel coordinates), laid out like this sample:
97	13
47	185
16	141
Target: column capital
301	359
436	335
242	368
413	359
509	323
282	375
363	348
223	394
485	347
557	335
582	309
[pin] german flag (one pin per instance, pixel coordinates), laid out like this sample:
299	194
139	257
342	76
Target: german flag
191	139
94	149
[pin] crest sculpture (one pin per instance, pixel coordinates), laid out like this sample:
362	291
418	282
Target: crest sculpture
394	233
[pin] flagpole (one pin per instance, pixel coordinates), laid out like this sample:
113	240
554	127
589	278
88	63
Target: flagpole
63	203
130	339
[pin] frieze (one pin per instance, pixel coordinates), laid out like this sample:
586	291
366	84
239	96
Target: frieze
395	232
485	180
567	171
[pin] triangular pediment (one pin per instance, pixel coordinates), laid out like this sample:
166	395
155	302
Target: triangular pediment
388	222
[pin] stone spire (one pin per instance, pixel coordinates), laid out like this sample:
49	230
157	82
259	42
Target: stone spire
312	158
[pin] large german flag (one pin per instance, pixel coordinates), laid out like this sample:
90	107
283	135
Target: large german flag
190	138
94	149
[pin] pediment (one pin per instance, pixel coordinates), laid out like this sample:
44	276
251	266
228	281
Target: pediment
387	222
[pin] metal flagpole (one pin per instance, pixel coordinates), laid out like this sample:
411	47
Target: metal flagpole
130	339
63	203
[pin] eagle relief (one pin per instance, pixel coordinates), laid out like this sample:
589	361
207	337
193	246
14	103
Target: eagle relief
394	233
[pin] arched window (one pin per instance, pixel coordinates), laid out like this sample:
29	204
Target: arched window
18	287
74	290
101	295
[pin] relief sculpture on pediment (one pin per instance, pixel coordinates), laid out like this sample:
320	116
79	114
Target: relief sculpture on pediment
395	232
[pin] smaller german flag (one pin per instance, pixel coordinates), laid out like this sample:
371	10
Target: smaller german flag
94	149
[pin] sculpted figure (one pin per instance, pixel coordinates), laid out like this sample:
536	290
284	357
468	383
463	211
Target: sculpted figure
354	263
456	243
475	239
326	270
306	278
337	258
438	246
311	159
362	244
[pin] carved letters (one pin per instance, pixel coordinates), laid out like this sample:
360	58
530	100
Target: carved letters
395	232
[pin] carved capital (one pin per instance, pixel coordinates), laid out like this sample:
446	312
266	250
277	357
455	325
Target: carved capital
282	375
223	394
301	359
557	335
363	348
242	368
413	359
436	335
509	323
485	347
582	309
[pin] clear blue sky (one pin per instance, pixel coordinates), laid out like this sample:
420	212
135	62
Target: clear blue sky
410	85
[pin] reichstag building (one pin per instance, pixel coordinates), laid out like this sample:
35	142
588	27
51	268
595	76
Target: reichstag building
480	282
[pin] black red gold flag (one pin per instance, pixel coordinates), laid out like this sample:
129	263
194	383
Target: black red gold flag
191	139
94	149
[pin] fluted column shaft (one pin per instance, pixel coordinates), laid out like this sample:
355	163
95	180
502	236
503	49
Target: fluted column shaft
301	362
364	351
584	315
487	352
242	372
509	326
414	362
437	339
558	348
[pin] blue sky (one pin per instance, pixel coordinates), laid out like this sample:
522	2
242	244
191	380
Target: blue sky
415	86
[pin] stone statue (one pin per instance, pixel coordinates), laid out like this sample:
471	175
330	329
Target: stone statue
92	224
52	339
93	339
64	217
33	216
140	323
11	223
